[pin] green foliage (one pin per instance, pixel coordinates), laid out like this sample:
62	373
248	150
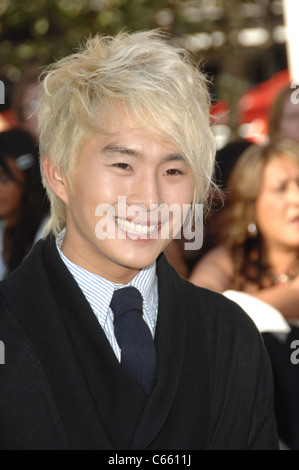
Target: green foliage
40	31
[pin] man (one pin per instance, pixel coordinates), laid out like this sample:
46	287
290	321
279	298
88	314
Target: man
125	147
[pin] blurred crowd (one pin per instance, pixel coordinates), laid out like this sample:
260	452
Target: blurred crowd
251	236
251	247
24	207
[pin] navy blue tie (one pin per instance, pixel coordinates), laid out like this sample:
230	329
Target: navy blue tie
138	354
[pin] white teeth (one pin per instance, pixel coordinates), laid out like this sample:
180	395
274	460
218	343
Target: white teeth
136	229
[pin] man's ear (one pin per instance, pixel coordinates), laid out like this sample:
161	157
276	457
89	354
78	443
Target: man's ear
55	180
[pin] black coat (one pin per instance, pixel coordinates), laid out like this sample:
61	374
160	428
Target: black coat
61	386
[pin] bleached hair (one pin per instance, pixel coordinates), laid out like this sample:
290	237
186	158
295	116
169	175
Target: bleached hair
155	80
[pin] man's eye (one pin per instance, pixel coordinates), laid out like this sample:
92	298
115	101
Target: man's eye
173	172
123	166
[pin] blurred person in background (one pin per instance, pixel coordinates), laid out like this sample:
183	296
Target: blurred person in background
283	123
23	204
259	229
284	115
258	254
24	101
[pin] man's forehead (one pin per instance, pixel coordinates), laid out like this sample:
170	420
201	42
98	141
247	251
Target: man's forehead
120	119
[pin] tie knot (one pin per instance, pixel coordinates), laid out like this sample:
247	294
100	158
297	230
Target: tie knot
126	299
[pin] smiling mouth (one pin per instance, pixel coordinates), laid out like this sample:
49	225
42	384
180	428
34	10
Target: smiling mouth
136	229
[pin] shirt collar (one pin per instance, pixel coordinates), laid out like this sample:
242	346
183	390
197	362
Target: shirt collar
144	281
99	291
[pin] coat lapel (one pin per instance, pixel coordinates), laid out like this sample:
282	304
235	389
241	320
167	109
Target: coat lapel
118	398
170	344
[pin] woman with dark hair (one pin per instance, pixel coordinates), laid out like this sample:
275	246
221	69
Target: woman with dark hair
23	203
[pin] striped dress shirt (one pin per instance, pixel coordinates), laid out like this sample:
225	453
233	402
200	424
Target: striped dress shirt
99	291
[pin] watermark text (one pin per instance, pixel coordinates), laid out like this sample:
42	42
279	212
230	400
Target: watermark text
295	354
2	353
159	221
2	92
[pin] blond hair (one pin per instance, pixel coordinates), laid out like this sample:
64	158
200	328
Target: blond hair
155	81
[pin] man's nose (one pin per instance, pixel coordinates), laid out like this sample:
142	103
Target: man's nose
146	191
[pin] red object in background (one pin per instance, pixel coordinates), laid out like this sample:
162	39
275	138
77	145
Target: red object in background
7	120
220	112
254	107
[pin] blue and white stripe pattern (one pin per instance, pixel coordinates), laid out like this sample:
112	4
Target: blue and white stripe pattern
99	291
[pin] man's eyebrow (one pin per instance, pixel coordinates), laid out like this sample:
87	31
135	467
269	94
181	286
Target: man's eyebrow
175	157
115	148
123	150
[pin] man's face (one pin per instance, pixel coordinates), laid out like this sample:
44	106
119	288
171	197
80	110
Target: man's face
121	182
